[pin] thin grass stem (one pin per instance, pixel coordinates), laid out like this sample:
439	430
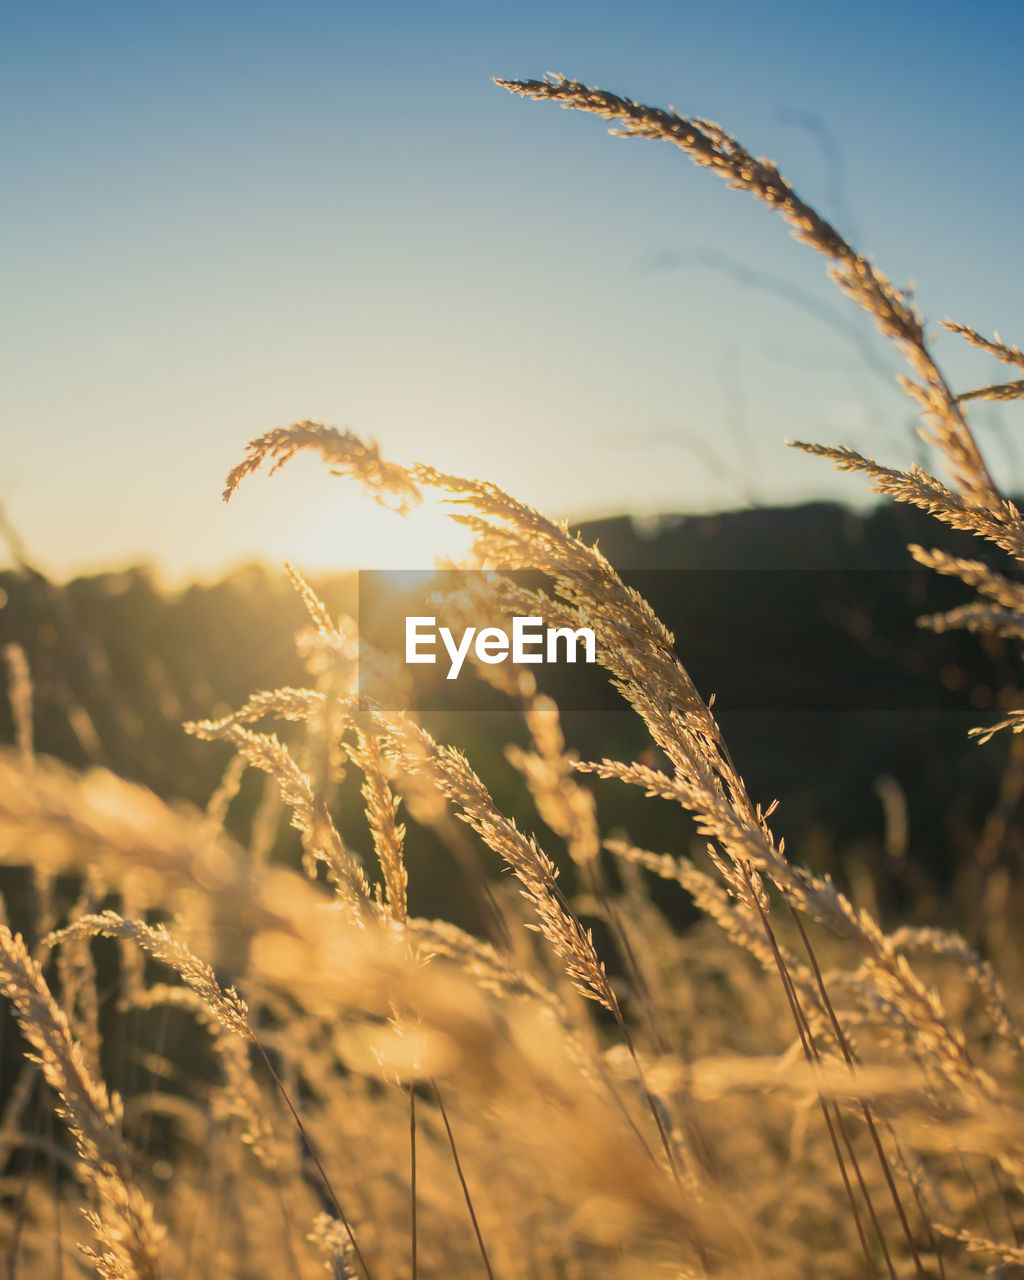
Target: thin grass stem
462	1180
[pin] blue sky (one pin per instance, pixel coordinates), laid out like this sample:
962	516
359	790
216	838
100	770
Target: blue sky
223	217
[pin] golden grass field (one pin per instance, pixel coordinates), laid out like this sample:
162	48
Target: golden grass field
787	1088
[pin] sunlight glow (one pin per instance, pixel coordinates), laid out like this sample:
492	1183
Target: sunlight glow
361	534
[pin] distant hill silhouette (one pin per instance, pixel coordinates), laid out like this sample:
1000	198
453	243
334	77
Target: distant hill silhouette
812	535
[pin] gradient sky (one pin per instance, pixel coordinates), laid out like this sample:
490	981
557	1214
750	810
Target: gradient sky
222	217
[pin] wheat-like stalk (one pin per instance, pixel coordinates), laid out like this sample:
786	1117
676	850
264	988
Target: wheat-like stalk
123	1219
892	309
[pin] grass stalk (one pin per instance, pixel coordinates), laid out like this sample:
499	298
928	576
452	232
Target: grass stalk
844	1047
462	1181
413	1242
810	1054
314	1156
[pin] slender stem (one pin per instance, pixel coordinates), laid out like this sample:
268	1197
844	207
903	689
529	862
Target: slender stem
620	1022
462	1180
289	1226
697	1141
803	1031
652	1102
848	1056
969	1178
20	1215
412	1180
1004	1200
335	1202
55	1178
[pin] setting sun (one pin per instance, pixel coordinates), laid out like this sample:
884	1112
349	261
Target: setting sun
358	533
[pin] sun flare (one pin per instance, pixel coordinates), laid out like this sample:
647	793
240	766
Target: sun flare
361	534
